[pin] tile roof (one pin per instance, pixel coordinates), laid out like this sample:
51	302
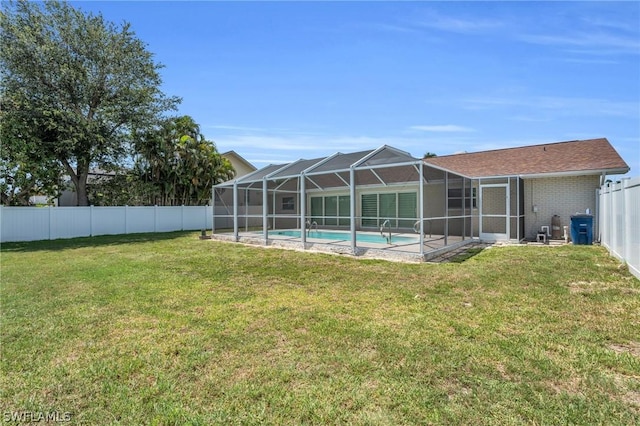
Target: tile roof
593	155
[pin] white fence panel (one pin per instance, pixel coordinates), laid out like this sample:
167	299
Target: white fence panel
620	221
108	220
43	223
168	219
69	222
24	224
197	218
140	219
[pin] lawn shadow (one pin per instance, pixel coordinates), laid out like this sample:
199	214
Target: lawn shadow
83	242
466	255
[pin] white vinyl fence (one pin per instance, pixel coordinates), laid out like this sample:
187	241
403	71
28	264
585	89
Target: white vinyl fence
620	221
50	223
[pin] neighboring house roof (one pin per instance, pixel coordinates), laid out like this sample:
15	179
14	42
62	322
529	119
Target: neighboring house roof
593	156
241	165
94	175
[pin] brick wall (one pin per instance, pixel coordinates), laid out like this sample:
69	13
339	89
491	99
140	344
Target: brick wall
563	196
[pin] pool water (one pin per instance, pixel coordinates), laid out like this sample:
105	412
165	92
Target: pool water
346	236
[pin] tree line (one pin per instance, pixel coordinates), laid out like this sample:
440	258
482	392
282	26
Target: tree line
79	94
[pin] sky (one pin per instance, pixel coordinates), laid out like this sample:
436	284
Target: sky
280	81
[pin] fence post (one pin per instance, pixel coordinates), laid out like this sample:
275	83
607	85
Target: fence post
155	218
182	217
626	219
50	227
91	220
610	216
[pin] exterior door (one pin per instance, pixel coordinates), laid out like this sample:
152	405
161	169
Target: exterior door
494	212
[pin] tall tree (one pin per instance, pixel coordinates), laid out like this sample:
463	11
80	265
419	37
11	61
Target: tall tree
75	84
180	163
22	175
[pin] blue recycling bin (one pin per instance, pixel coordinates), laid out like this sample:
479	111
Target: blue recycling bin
582	229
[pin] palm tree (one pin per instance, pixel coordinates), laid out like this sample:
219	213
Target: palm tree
181	163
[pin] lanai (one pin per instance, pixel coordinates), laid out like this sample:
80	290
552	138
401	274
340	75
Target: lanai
384	191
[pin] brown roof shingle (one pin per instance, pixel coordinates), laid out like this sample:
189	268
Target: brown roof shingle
593	155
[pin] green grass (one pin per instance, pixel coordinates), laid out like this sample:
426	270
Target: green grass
169	329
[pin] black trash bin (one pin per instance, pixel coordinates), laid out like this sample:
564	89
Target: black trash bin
582	229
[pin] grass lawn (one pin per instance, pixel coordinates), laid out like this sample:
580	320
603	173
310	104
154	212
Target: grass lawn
168	329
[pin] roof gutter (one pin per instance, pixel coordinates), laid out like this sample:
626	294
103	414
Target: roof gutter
575	173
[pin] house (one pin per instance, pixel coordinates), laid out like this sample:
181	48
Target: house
499	195
556	179
240	165
69	197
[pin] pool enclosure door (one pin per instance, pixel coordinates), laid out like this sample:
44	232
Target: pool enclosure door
494	212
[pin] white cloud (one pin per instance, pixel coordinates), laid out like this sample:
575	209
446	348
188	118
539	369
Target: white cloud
566	106
236	128
589	61
301	143
268	149
264	149
442	128
441	22
595	42
614	24
529	119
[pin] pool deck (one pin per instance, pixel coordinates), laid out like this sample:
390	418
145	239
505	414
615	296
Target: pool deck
434	245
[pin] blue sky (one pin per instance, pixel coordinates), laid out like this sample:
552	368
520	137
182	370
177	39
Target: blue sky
279	81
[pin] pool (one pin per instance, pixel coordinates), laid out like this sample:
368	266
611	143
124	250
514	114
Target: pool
346	236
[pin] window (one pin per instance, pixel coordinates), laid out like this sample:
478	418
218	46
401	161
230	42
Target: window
331	210
387	208
288	203
407	207
455	198
316	210
376	208
344	209
369	209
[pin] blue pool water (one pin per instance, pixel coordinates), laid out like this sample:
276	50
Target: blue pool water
346	236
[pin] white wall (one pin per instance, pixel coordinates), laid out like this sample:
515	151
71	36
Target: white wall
562	196
619	211
50	223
